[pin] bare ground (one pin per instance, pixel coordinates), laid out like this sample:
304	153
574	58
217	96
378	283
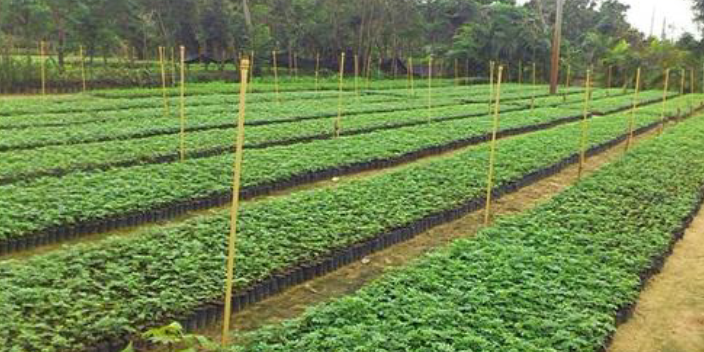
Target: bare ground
669	316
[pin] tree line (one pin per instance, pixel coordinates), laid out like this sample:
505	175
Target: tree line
475	31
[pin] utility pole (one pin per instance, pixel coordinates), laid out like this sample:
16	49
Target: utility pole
556	41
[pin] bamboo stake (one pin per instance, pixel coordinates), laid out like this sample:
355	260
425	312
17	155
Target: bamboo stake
585	126
491	83
276	77
295	65
664	101
520	72
410	75
430	86
163	80
532	98
683	74
633	112
183	103
42	55
83	68
239	145
692	90
356	74
608	81
338	121
457	73
251	71
492	154
317	71
173	66
569	73
369	70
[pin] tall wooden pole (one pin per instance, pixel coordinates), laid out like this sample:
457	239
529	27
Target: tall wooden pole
585	126
338	121
457	73
356	74
430	86
410	75
535	79
42	55
631	125
608	81
664	100
183	103
556	42
491	83
276	76
317	71
163	80
239	145
492	153
83	68
520	72
251	71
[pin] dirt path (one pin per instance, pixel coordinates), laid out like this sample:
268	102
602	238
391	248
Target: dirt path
352	277
669	316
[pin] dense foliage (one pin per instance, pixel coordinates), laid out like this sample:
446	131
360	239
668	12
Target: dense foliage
89	292
550	280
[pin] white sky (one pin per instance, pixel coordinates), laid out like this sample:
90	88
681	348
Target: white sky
678	12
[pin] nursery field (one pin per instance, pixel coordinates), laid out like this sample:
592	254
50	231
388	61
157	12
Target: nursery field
95	248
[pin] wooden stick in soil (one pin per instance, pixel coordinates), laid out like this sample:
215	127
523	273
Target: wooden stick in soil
276	77
163	80
692	90
608	81
430	87
585	126
492	154
173	66
251	72
183	103
532	98
457	73
491	84
295	65
239	145
338	122
42	59
664	101
83	67
631	124
317	71
356	74
520	71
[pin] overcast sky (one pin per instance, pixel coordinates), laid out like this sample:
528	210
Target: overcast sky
678	12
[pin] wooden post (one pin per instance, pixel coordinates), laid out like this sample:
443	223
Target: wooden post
173	66
295	65
585	126
492	153
532	98
369	71
42	64
276	76
632	123
239	145
682	74
338	121
163	80
430	86
410	75
83	67
608	81
569	73
251	71
183	103
692	90
520	72
356	74
491	84
317	71
664	101
457	73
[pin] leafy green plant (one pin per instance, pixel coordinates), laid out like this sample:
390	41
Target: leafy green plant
174	339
